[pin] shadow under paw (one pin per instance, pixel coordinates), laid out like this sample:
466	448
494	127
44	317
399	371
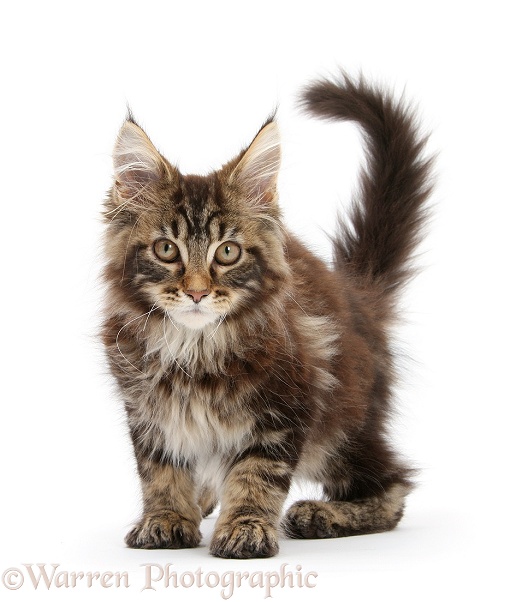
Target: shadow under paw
245	538
170	531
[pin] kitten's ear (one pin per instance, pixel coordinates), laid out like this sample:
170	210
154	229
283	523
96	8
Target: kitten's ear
256	172
137	164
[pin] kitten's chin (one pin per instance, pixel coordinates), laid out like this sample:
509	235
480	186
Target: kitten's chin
194	319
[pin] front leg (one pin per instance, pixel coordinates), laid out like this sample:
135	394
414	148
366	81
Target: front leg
171	515
253	495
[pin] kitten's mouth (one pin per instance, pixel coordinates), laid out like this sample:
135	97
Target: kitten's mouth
195	316
197	309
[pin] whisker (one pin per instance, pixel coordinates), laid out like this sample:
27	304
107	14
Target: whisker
148	316
118	334
300	307
168	346
220	322
173	323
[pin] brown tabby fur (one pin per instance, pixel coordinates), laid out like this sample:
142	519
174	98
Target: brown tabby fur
283	367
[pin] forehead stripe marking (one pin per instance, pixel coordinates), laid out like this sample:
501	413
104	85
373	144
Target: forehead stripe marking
191	227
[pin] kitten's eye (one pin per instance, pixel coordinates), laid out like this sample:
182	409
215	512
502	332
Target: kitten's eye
166	250
228	253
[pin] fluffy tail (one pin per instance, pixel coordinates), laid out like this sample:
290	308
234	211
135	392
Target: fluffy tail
386	217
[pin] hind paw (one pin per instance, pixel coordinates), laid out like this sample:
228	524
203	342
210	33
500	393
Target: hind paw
311	520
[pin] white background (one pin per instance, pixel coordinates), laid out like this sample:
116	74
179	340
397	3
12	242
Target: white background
201	77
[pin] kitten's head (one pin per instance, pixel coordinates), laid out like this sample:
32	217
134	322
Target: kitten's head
199	248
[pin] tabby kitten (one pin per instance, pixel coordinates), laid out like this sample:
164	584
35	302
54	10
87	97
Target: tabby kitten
243	360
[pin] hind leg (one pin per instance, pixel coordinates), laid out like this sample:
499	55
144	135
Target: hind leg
311	519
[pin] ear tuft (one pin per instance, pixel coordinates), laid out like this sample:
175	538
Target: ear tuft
136	161
257	171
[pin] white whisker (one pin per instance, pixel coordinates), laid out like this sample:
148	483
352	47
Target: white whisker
300	307
168	346
220	322
173	323
148	316
118	334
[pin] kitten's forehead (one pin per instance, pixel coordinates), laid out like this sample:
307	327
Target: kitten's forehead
200	209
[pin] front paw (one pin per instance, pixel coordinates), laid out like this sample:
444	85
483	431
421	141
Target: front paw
169	530
245	538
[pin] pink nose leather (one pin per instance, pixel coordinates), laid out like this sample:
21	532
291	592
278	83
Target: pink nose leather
197	295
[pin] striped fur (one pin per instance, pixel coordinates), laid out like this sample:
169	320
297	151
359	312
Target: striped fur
240	375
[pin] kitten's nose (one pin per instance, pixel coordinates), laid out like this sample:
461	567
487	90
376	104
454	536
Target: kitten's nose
197	295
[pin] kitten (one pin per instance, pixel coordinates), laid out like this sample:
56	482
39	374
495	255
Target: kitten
243	360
